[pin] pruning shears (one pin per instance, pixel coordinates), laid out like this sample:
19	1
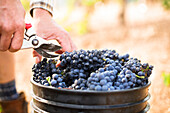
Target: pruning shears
39	44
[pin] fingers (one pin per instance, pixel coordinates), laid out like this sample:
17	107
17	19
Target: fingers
38	56
66	42
73	46
63	41
58	63
66	45
5	41
17	39
11	39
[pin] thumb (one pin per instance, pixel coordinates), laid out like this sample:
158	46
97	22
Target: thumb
38	56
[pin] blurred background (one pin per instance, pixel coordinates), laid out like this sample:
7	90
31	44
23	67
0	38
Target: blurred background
138	27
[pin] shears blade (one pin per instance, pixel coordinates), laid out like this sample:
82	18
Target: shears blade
44	53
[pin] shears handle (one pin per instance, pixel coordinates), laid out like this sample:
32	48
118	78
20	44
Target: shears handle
27	26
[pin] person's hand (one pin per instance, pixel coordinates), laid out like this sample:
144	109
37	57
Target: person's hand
48	29
12	24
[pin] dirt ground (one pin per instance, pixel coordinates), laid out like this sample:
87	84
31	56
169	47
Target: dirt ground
149	41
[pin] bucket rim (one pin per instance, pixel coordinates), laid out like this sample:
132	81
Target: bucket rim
35	108
89	91
81	106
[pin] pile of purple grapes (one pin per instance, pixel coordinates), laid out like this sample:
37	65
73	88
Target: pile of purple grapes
99	70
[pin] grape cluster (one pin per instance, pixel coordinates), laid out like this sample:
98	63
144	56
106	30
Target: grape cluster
99	70
42	70
142	71
103	79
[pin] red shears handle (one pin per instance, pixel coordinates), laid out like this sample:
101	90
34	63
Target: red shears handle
28	25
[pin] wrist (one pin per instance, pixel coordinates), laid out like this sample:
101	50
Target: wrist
41	13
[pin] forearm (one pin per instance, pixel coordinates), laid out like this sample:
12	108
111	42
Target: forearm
6	67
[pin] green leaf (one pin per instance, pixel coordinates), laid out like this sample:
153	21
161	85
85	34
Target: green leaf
62	72
147	67
140	76
49	80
